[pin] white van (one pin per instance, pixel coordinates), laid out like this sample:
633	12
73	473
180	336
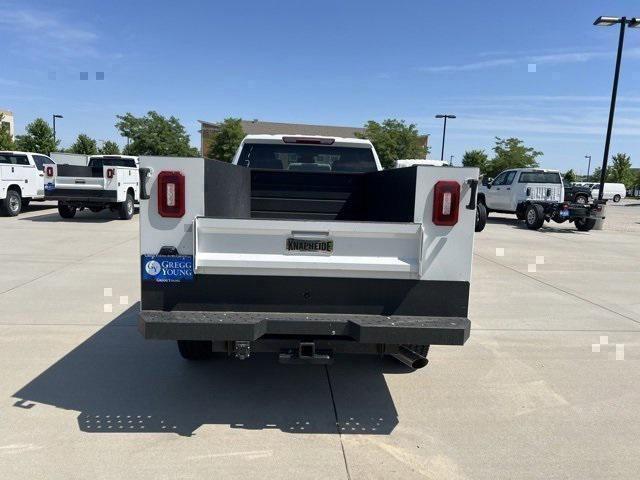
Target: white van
612	191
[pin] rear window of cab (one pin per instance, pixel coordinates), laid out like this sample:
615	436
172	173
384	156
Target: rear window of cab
539	177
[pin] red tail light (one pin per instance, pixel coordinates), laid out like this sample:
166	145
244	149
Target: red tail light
110	172
171	194
446	202
49	171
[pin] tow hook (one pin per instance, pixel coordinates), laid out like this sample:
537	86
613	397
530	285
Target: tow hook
242	350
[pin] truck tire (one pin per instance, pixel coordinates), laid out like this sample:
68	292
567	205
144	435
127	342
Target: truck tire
617	198
125	209
534	216
12	204
66	211
581	199
195	349
585	224
481	217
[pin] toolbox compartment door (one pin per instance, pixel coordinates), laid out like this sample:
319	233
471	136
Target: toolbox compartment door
307	248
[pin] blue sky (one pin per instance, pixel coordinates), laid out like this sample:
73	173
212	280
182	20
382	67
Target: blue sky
331	62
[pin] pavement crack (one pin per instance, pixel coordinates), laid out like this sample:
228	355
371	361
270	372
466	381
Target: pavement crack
574	295
335	414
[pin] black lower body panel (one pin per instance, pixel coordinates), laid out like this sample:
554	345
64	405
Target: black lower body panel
72	195
251	326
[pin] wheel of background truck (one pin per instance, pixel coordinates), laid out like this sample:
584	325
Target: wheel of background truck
12	204
585	224
66	211
617	198
582	199
96	209
520	215
481	217
125	209
534	216
195	349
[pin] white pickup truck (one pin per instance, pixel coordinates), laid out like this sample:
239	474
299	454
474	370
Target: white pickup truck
21	180
534	195
305	247
108	181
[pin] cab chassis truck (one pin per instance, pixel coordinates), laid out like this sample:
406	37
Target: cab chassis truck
305	262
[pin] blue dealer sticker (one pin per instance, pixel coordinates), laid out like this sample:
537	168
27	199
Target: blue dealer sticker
49	186
167	268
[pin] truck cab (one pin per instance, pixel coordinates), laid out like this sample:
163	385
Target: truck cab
512	189
21	180
303	246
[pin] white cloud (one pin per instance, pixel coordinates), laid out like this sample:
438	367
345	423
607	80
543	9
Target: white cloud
559	57
43	35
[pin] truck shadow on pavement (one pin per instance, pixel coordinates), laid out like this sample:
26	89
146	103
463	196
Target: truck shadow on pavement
81	217
122	383
520	225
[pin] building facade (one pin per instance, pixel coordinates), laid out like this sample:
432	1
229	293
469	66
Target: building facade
257	127
7	119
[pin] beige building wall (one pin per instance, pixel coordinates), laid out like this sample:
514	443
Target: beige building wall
8	118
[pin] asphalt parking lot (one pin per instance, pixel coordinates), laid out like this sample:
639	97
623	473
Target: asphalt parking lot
548	385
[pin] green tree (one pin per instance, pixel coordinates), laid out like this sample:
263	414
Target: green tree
226	140
393	139
476	158
85	145
570	176
38	138
154	134
6	142
511	153
620	170
595	175
109	148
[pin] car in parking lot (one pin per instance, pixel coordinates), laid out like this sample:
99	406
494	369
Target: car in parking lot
21	180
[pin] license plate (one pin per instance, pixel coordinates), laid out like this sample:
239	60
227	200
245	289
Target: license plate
564	213
309	245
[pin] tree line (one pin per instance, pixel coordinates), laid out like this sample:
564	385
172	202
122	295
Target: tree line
512	153
150	134
154	134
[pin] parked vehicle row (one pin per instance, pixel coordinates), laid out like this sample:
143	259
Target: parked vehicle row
535	196
100	182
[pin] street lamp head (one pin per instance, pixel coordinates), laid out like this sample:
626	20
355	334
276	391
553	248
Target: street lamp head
445	116
58	116
634	22
607	21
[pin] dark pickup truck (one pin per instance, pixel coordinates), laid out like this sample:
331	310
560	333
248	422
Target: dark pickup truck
577	194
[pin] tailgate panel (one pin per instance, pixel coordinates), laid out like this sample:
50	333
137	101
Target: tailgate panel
255	246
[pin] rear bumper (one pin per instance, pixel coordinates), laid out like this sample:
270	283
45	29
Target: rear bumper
252	326
70	195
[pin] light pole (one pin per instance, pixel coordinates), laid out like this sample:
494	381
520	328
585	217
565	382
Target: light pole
609	22
451	160
588	166
54	128
444	131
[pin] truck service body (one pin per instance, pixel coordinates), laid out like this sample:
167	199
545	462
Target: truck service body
305	247
108	181
21	180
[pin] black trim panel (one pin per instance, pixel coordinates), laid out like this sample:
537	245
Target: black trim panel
253	293
378	329
73	194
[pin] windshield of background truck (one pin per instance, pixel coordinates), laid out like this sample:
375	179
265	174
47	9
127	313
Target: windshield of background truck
112	162
307	158
539	177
